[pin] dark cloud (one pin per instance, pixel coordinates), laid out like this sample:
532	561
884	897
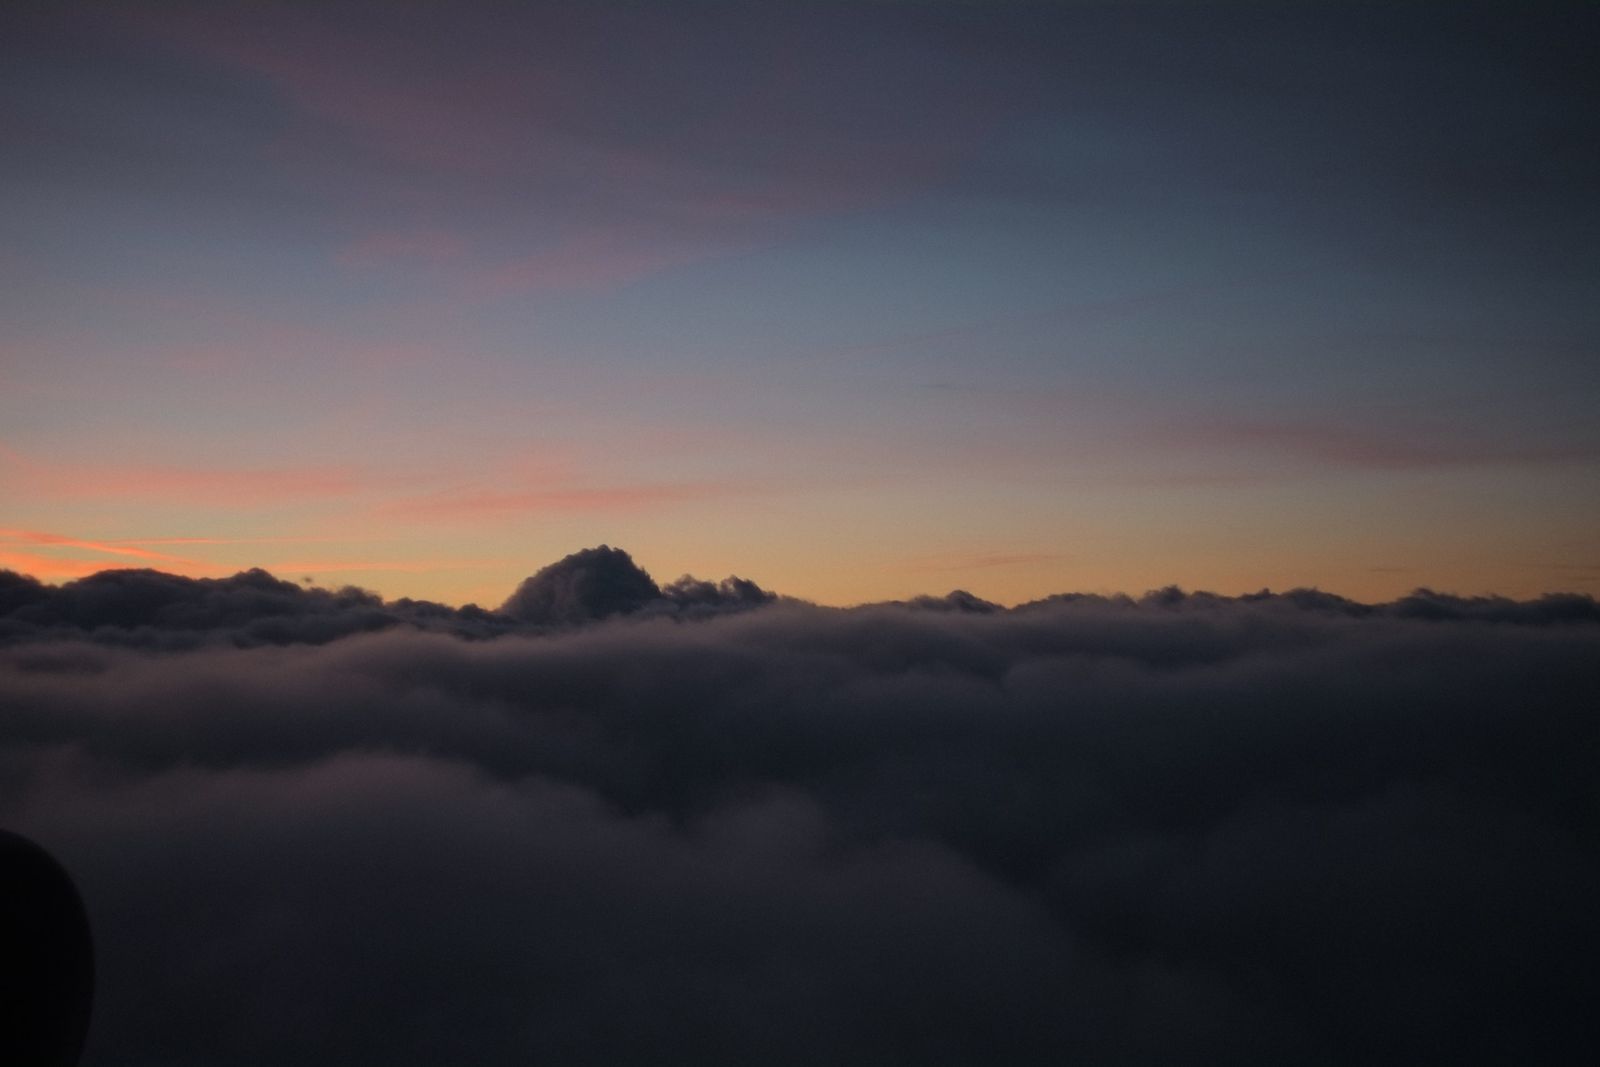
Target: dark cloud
592	584
955	600
151	609
696	597
598	583
19	590
1178	829
135	598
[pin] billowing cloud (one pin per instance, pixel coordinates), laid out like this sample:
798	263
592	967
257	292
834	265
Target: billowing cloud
142	608
593	584
1177	829
598	583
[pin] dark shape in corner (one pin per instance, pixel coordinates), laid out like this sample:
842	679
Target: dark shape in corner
46	959
592	584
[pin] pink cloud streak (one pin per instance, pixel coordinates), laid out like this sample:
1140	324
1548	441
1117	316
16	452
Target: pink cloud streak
979	561
543	111
35	538
243	487
597	258
485	502
426	246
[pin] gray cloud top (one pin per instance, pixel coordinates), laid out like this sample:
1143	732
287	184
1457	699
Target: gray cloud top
313	827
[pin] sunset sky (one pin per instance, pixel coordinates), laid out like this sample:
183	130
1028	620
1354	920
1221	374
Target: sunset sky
839	307
858	301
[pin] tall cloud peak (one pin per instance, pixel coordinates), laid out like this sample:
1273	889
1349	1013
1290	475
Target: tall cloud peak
592	584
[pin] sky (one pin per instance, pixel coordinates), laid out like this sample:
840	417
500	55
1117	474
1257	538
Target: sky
858	301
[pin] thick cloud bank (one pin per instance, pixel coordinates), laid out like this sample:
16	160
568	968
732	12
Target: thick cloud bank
599	583
316	828
150	609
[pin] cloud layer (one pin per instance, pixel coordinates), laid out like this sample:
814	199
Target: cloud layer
313	827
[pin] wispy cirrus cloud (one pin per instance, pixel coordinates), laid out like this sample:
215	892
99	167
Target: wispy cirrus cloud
408	246
454	142
55	556
50	555
387	566
566	499
58	556
54	568
969	561
592	258
234	487
38	538
1387	447
231	540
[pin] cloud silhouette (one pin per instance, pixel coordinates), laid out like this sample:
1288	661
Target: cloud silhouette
697	598
148	608
592	584
1176	829
19	590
